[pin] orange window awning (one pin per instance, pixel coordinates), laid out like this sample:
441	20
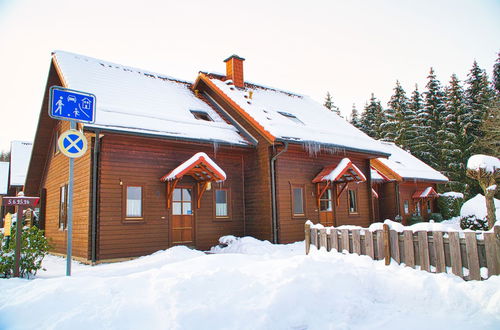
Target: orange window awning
428	192
343	172
201	167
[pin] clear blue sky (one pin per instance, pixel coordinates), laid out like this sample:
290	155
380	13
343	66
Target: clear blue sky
350	48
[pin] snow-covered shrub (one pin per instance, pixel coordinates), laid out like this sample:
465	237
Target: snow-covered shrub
474	223
415	219
450	203
437	217
34	248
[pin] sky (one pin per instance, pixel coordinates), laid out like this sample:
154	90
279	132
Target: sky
349	48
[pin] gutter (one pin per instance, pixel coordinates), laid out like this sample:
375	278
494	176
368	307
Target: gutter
273	193
95	168
338	146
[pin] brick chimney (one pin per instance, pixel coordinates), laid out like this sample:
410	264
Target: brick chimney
234	70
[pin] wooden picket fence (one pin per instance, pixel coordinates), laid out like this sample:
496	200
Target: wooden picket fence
434	251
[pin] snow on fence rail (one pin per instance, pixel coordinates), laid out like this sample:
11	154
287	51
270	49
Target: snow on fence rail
433	251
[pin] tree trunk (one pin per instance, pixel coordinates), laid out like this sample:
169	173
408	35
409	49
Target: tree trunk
490	207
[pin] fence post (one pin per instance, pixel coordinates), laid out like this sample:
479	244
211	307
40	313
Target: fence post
307	228
387	246
322	239
492	246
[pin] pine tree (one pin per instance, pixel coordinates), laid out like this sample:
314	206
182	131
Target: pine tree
355	120
372	118
412	122
4	156
490	142
455	140
496	76
479	97
395	128
330	105
434	105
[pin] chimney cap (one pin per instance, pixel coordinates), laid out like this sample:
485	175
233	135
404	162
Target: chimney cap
234	56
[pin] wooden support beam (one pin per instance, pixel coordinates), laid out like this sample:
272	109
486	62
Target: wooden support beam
340	193
170	190
202	187
321	191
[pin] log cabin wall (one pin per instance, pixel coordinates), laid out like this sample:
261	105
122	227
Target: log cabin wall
133	160
56	176
297	167
406	191
257	176
387	201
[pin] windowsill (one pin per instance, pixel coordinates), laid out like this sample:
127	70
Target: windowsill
298	216
353	213
133	220
222	219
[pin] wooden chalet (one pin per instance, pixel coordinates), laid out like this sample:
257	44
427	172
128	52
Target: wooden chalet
309	163
404	185
172	162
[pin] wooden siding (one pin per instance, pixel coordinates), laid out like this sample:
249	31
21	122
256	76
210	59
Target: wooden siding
132	160
257	176
56	175
297	167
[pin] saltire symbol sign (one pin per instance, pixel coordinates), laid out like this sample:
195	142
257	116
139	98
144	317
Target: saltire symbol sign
72	143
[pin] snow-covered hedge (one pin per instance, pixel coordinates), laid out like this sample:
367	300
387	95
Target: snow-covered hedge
450	204
473	214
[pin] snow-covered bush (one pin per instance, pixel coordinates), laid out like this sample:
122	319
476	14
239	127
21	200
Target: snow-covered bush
474	223
415	219
473	214
450	204
34	248
437	217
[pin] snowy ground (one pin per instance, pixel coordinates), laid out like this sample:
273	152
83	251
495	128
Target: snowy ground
249	285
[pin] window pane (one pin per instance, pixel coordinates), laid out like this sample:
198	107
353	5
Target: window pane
298	201
407	207
134	201
186	208
429	207
186	195
177	195
176	208
325	205
221	209
352	201
221	196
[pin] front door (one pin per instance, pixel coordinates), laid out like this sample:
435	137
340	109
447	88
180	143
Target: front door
182	217
326	209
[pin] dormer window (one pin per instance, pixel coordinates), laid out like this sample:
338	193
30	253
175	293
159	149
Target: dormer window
201	115
291	117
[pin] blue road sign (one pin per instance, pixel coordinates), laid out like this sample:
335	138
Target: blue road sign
67	104
72	143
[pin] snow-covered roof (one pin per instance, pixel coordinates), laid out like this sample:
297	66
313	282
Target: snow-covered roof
208	169
20	154
345	171
297	118
139	101
377	176
428	192
4	177
408	166
489	164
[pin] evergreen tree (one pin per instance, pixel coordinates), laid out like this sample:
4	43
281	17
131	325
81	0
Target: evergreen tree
372	118
5	156
396	127
330	105
496	76
412	122
355	120
479	97
490	142
455	140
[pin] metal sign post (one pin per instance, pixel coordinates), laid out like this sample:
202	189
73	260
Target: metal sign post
21	203
75	106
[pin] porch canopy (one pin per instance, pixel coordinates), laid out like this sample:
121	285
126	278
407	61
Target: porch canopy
342	173
428	192
201	167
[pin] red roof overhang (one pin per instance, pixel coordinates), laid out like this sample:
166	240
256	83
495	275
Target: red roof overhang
428	192
343	172
200	167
